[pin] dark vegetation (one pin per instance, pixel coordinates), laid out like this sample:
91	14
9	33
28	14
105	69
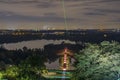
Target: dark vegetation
28	64
94	62
98	61
93	36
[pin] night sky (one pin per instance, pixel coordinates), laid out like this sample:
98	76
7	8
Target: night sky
43	14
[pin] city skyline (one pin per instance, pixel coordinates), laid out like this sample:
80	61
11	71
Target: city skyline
44	14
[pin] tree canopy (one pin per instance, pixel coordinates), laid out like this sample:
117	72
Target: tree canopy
98	62
29	65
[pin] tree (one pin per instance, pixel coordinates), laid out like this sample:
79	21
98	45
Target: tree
11	72
1	75
98	62
29	69
32	67
26	64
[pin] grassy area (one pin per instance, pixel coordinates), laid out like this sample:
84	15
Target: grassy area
58	74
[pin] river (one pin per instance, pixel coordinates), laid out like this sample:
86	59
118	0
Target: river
38	44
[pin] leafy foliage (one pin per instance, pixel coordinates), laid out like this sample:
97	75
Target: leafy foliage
1	75
29	69
98	62
11	71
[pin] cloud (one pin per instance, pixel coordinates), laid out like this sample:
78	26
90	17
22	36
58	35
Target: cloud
46	5
9	16
50	14
108	1
94	14
78	12
107	11
115	20
18	1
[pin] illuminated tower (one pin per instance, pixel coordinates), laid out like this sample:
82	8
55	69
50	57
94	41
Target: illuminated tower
64	60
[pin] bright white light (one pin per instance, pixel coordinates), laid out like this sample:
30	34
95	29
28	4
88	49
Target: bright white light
64	69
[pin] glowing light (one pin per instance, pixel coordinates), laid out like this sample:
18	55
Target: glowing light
64	69
65	59
65	50
105	35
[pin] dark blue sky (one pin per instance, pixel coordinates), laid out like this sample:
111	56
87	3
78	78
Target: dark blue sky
43	14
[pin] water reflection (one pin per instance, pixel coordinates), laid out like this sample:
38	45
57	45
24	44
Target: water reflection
39	44
63	75
34	44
